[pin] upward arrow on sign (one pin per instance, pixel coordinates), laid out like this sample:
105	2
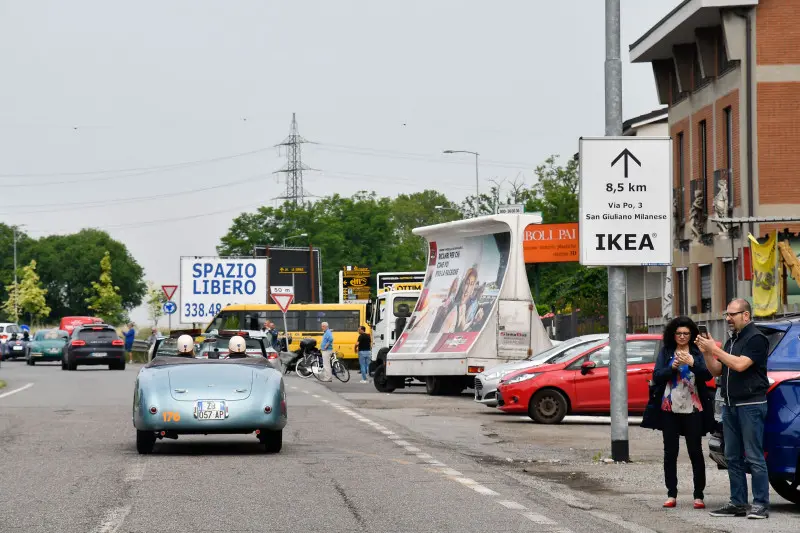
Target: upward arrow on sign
626	154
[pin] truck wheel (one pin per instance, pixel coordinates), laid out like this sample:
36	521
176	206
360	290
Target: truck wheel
382	381
786	489
548	407
433	385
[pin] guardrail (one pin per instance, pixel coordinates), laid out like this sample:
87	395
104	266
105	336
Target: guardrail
140	345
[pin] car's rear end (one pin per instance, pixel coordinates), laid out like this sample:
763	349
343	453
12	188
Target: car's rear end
48	346
95	345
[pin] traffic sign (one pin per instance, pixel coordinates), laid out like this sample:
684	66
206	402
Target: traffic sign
625	201
169	290
170	307
504	209
282	295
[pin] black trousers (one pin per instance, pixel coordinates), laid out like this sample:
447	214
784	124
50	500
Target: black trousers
691	426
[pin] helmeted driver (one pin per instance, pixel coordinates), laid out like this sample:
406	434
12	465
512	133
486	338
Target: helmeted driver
237	347
185	346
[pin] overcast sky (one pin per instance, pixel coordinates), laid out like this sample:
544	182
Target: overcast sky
94	87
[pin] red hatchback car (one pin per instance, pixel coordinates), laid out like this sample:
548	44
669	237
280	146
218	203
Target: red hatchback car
580	385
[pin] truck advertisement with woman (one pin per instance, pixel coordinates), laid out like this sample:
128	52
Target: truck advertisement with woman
475	309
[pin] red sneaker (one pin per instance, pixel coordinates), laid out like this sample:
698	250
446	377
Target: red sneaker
698	504
671	502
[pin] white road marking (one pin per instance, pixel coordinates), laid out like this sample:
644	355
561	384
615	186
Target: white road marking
413	449
402	443
512	505
292	387
135	472
306	392
464	480
315	395
112	520
614	519
451	472
9	393
393	436
387	432
538	518
424	456
486	491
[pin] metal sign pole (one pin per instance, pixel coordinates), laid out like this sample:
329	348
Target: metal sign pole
617	296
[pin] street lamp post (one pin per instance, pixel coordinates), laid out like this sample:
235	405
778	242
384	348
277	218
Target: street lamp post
477	190
16	293
284	245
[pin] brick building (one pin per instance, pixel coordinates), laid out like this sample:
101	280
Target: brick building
729	72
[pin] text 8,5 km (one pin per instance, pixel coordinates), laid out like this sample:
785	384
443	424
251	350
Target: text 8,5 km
620	187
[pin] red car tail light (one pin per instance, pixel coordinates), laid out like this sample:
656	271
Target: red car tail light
268	409
78	343
153	410
117	342
272	355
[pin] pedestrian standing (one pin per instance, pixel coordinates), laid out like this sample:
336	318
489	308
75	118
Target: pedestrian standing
326	347
742	367
681	405
364	350
130	336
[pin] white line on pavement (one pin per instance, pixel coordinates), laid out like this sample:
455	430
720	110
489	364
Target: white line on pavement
315	395
113	520
464	480
614	519
538	518
512	505
424	456
450	472
413	449
402	443
9	393
486	491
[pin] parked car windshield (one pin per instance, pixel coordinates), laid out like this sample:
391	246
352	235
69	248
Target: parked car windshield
564	351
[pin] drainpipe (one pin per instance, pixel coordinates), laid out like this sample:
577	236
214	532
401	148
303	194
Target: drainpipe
749	111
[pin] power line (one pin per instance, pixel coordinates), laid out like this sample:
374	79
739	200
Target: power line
73	206
149	168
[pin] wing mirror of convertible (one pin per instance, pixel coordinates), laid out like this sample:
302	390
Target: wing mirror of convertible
587	366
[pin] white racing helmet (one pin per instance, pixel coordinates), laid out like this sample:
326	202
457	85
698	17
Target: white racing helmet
237	344
185	344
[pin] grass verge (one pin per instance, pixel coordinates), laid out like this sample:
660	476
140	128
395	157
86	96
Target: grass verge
2	383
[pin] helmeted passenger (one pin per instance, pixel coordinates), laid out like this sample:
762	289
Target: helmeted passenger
237	347
185	346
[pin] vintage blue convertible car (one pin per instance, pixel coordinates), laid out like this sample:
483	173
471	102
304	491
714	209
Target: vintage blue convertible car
185	395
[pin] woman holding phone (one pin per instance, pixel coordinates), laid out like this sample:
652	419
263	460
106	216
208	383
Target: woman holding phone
680	405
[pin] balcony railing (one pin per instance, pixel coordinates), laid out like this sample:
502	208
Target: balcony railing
723	191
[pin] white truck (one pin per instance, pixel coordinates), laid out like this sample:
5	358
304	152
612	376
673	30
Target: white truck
475	310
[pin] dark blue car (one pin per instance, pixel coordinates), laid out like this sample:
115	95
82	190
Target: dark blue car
782	430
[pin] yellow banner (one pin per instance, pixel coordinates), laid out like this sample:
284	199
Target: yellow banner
766	281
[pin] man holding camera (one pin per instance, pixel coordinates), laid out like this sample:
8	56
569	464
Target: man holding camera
742	367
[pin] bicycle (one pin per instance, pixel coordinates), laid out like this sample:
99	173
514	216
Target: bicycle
338	368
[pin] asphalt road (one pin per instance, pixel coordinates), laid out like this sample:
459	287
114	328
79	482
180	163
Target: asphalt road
352	460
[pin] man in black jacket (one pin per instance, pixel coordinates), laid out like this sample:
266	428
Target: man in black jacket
742	367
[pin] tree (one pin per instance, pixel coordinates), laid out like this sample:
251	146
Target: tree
155	300
68	264
24	244
29	298
106	302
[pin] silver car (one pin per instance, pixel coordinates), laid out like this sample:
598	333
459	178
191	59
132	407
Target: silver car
486	382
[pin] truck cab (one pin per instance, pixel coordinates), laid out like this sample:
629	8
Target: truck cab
390	313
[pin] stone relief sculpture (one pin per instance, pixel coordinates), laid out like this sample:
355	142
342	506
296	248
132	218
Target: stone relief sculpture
721	205
697	215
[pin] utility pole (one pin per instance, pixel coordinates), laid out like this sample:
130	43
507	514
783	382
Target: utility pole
16	294
295	192
477	182
618	375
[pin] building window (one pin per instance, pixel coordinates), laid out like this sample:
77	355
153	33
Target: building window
728	138
730	281
680	192
703	152
705	289
682	292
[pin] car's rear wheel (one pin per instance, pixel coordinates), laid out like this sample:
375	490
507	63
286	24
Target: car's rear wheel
31	362
117	365
786	489
548	406
272	440
145	441
63	365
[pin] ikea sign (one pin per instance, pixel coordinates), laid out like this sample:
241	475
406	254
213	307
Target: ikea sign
209	284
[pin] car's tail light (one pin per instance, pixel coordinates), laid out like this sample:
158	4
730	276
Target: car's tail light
474	369
78	343
97	329
117	342
153	410
272	355
268	409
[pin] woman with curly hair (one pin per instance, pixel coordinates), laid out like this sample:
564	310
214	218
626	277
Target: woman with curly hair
682	405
